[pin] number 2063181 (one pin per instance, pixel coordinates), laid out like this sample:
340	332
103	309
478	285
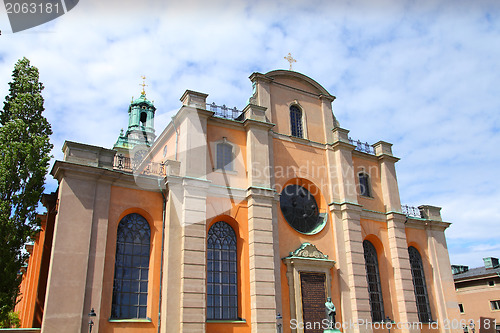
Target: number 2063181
32	8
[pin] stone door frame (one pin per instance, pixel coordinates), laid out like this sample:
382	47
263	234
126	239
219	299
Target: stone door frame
308	259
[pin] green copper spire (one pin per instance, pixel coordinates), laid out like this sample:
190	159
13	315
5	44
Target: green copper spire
140	131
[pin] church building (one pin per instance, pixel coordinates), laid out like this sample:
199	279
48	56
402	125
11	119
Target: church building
240	221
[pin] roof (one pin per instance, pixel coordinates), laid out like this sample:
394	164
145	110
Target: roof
142	100
476	272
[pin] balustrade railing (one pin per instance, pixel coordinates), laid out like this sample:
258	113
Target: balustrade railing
411	211
136	166
224	112
362	146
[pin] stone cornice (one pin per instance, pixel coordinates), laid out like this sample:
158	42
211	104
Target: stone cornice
329	98
252	123
229	123
373	215
63	169
300	141
256	76
262	192
389	158
364	155
342	145
345	206
227	192
417	223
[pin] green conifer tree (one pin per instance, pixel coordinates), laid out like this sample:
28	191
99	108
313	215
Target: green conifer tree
24	160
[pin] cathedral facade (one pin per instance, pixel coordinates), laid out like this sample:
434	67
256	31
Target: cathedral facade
242	221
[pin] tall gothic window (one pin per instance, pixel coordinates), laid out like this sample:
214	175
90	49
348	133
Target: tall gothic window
222	291
373	279
364	185
421	296
130	287
224	156
296	121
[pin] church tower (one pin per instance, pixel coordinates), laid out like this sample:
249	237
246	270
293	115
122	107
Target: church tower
140	133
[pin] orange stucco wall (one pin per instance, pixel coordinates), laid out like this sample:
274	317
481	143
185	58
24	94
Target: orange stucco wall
303	165
372	169
282	98
475	296
237	138
125	201
29	285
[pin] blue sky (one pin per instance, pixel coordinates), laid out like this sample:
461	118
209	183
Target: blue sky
423	75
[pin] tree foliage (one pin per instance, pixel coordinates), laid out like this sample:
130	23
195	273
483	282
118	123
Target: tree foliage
25	154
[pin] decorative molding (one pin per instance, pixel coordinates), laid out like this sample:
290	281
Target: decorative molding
308	250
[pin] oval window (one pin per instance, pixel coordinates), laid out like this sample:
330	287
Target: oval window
301	210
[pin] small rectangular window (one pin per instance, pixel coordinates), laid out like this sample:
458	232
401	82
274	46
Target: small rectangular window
495	305
364	185
461	307
224	156
491	283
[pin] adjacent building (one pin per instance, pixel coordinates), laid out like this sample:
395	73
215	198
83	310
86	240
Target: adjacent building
478	293
242	221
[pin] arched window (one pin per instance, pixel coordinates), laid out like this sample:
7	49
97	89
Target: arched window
364	185
130	286
373	279
222	291
144	118
296	121
224	156
421	296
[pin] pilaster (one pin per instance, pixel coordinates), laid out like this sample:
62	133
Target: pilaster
388	180
192	154
261	252
405	309
328	118
260	199
185	256
351	266
262	92
341	169
444	286
77	261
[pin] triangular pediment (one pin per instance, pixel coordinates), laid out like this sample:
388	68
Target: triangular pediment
308	250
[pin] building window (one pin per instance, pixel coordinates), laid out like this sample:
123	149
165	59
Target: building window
495	305
222	291
461	307
373	279
296	121
364	185
224	156
300	209
491	283
130	286
144	118
419	287
497	328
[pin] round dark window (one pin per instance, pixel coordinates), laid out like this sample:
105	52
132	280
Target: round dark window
301	210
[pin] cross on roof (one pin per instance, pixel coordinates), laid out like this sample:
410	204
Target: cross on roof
290	59
143	85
